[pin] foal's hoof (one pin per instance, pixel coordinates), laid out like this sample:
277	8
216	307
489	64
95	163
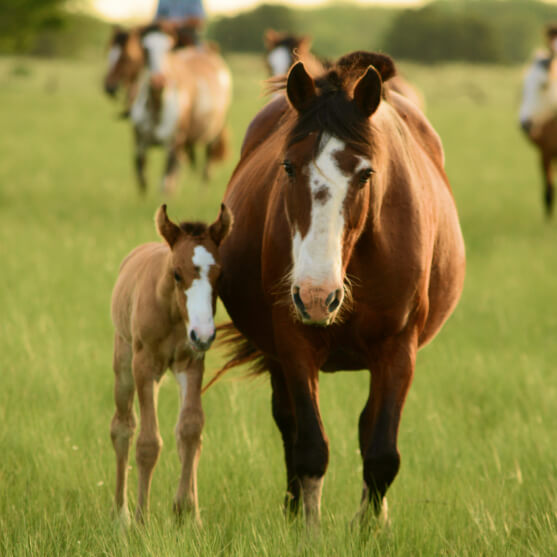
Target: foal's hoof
182	512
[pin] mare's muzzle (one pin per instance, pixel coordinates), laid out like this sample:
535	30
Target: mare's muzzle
317	305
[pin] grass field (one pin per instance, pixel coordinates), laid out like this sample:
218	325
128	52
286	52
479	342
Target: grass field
479	432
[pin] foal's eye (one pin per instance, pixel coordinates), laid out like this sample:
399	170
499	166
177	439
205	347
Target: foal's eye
364	176
197	269
177	276
288	168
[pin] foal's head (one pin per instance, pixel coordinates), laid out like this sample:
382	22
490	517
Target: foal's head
195	269
327	177
539	96
125	59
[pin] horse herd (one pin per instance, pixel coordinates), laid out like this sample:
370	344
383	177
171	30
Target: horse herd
337	247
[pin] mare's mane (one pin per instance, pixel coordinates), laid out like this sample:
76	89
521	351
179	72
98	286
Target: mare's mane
332	110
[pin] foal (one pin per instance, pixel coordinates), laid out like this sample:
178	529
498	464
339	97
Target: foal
162	309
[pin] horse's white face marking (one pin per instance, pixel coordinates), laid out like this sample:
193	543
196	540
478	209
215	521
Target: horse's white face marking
157	45
280	60
199	297
318	256
113	56
539	98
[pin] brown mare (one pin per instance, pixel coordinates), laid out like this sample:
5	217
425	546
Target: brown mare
284	49
538	117
162	308
347	254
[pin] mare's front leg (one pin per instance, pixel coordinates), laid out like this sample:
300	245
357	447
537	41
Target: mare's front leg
549	191
123	423
189	375
310	451
392	368
147	370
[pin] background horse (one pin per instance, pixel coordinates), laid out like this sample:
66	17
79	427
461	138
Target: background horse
538	117
347	254
162	308
183	100
284	49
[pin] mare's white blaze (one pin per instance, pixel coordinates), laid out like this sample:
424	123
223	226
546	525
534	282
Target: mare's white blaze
182	379
113	56
199	297
157	45
539	95
318	256
280	60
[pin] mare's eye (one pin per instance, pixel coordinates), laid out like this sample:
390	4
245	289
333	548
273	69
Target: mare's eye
364	176
177	276
288	168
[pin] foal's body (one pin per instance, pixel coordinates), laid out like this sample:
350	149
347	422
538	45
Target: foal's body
162	310
363	202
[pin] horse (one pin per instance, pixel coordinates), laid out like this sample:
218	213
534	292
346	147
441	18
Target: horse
347	254
538	117
284	49
125	62
163	305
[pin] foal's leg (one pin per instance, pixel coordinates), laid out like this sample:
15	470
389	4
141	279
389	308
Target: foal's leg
147	371
548	184
285	418
123	422
189	375
392	370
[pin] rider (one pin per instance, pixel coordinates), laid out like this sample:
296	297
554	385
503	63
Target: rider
185	17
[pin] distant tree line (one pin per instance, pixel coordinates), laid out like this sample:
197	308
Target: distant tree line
490	31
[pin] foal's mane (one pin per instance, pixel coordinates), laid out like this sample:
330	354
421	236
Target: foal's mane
332	110
194	228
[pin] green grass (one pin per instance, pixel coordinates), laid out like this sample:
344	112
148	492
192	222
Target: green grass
479	458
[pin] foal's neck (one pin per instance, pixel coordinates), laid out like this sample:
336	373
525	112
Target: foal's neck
166	291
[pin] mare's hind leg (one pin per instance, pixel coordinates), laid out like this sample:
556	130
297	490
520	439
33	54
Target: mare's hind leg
189	375
392	368
285	418
123	422
216	150
140	158
147	372
170	178
548	185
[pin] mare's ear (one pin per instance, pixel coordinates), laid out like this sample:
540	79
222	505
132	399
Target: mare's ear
222	226
270	38
299	87
367	93
165	227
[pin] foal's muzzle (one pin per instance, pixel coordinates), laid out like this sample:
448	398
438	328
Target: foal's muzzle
202	343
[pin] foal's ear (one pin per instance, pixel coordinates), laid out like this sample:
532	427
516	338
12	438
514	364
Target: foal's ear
367	93
165	227
299	87
222	226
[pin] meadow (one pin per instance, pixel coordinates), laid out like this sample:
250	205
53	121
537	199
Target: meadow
478	434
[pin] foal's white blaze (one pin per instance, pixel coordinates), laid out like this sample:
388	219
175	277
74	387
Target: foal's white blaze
113	56
157	45
539	96
318	256
199	297
280	60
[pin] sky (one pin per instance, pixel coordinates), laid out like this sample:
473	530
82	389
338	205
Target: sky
116	10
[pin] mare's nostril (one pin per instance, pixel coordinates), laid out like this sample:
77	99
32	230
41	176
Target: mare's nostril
298	300
333	301
193	336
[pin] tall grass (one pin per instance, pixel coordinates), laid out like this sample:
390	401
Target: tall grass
479	472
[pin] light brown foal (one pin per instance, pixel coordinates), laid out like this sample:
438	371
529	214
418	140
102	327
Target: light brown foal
163	305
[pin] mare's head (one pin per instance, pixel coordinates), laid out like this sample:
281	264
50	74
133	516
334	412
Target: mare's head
327	176
282	50
125	59
195	269
539	95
